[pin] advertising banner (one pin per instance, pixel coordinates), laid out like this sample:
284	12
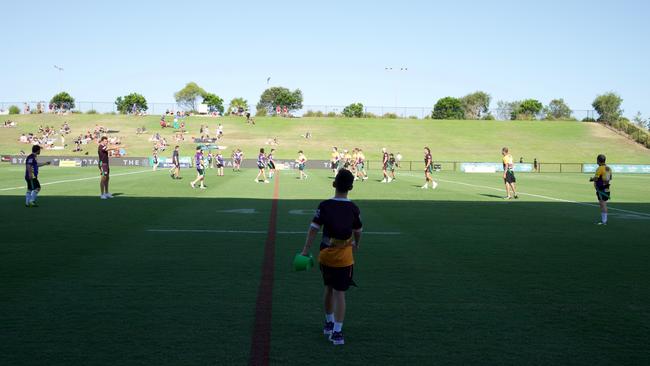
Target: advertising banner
492	167
619	168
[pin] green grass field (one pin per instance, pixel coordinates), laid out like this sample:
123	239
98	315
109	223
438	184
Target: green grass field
459	276
550	142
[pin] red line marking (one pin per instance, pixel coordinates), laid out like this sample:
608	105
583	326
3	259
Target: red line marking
261	338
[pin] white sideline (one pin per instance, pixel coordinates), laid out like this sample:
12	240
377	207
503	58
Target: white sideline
537	196
255	231
77	180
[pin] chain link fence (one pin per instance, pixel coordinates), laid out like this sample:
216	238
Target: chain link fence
307	110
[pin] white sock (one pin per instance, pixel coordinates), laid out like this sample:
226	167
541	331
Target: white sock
34	195
603	217
338	326
329	318
28	197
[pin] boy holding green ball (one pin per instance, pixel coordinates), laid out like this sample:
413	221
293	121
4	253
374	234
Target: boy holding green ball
340	219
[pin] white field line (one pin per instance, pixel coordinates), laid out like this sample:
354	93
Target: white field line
536	195
77	180
255	231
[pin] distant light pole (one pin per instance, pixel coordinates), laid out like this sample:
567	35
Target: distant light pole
397	71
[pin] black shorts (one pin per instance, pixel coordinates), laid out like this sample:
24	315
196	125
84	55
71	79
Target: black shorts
510	177
219	165
33	184
104	170
603	195
334	165
338	278
260	165
271	165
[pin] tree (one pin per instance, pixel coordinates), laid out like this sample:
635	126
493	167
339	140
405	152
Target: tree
448	108
527	109
476	104
557	109
279	96
353	110
188	96
214	102
238	103
640	121
62	100
125	104
505	109
608	106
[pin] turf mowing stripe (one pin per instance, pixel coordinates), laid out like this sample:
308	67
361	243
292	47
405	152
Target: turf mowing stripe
256	231
539	196
76	180
261	337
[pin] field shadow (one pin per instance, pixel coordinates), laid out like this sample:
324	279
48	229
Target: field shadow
174	280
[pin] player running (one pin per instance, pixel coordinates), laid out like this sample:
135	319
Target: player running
261	164
384	162
200	168
271	163
175	171
340	219
390	167
31	177
104	169
301	161
601	181
428	170
509	174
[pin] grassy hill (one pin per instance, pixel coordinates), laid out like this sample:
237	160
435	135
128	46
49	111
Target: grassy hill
448	140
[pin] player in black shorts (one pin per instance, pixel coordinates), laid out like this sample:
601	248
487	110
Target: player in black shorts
104	169
271	163
31	177
340	219
175	171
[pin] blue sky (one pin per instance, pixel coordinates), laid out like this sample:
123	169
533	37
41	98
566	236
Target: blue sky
335	51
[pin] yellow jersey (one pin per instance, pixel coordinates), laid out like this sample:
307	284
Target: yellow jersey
507	162
603	177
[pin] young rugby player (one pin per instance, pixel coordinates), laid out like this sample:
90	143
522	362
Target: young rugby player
31	177
334	160
301	161
238	157
602	181
175	171
271	163
391	165
104	169
261	164
384	162
155	160
200	168
220	164
361	165
428	170
347	160
509	174
341	223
